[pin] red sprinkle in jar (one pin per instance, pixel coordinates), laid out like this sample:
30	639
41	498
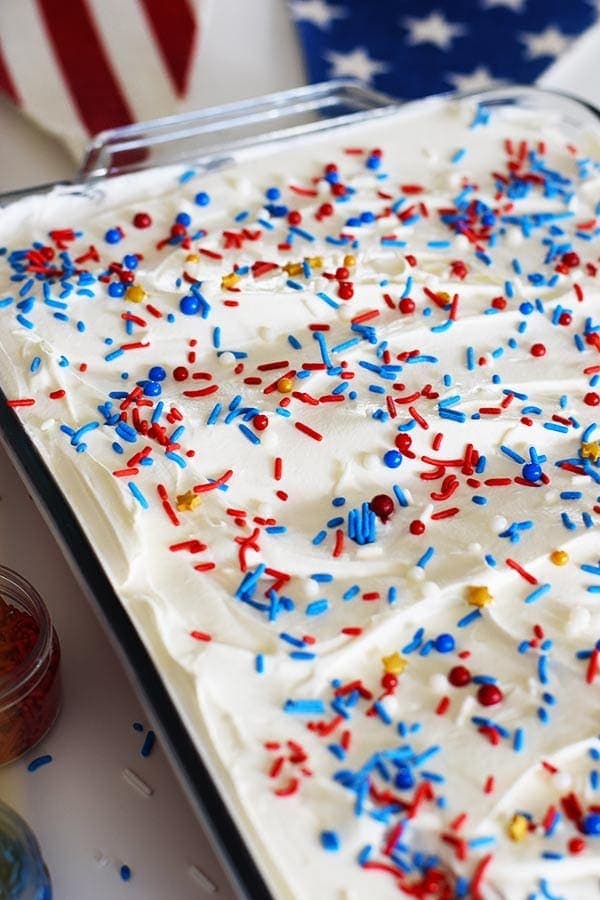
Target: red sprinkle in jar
29	667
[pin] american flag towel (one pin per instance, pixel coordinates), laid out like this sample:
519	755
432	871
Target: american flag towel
77	67
411	48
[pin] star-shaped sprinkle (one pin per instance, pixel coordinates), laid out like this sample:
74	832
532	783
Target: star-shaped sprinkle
394	664
478	595
433	29
591	451
188	501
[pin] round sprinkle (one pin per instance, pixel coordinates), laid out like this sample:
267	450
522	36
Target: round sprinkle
416	527
459	676
189	305
383	507
184	219
532	472
591	824
130	261
113	235
157	373
592	398
142	220
389	682
273	193
407	306
260	422
152	389
559	557
136	293
116	289
444	643
489	695
392	459
576	845
181	373
125	872
538	350
202	198
285	385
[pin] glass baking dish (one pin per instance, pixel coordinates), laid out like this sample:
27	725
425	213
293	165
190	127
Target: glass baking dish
207	140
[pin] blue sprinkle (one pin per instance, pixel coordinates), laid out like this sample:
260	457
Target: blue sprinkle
304	707
518	740
148	744
38	762
330	841
137	494
125	872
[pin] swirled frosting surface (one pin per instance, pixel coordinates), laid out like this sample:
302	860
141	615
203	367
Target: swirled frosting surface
329	416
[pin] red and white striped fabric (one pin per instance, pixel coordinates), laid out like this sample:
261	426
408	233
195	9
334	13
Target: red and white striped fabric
77	67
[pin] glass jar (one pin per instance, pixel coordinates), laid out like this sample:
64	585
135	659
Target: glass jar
29	667
23	872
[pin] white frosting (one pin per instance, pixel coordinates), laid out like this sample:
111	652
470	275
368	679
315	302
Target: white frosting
232	710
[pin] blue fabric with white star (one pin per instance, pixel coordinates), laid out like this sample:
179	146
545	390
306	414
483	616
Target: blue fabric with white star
412	48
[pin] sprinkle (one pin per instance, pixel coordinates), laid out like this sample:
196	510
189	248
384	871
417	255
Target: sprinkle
38	762
148	744
136	782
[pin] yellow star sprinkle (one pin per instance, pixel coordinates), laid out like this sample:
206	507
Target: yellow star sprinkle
518	827
229	281
591	450
559	557
192	257
394	664
315	261
349	260
293	268
188	501
478	595
136	293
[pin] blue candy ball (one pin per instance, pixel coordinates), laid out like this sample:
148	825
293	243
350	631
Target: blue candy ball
532	471
367	216
591	824
130	261
152	389
116	289
404	779
157	373
526	308
183	218
113	236
444	643
202	198
373	162
189	305
272	193
392	459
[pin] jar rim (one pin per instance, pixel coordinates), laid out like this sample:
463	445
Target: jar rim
17	589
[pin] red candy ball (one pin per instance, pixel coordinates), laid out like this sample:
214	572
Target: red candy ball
260	422
565	318
383	507
345	291
489	695
538	350
178	230
416	527
180	373
294	217
389	682
459	676
407	306
325	209
142	220
576	845
342	273
592	398
338	190
570	259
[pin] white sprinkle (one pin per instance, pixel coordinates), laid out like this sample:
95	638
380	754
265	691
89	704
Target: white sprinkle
227	360
370	461
203	880
102	860
438	684
499	523
562	781
136	782
579	620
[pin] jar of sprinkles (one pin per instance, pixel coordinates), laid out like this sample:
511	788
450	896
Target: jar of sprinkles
29	667
23	872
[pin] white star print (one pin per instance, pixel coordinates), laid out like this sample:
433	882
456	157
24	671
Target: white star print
515	5
479	79
316	11
356	64
550	42
433	29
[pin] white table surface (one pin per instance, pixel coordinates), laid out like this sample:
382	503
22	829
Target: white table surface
88	819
